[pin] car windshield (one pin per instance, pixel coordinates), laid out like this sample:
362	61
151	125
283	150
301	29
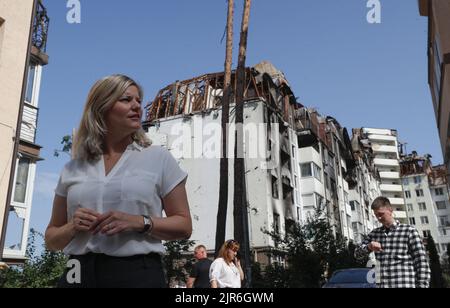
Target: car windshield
350	276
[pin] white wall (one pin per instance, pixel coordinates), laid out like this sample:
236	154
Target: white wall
203	181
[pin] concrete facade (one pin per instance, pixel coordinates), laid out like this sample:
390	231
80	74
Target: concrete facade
15	25
386	156
438	50
23	38
272	192
427	199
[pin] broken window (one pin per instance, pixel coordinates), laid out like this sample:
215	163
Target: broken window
275	193
327	180
319	200
287	192
419	192
352	205
276	223
412	221
407	194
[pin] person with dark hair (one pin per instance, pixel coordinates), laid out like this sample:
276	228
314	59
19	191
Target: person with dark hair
109	201
199	276
399	251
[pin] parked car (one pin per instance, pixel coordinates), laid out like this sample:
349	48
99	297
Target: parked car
351	278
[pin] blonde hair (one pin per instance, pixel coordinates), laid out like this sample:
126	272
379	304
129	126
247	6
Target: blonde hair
230	244
89	139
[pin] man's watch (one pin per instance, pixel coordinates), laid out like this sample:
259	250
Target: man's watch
148	224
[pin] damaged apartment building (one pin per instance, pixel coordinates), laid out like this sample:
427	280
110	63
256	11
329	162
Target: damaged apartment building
296	160
427	198
337	174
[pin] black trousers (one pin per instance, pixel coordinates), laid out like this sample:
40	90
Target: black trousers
102	271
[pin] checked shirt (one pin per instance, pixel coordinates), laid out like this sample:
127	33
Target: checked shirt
403	261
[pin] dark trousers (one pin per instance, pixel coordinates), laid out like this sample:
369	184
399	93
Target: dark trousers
102	271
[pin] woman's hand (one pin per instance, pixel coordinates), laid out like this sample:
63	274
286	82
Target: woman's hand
114	222
237	262
85	219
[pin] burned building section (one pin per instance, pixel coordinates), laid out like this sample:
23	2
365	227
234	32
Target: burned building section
306	162
325	144
272	176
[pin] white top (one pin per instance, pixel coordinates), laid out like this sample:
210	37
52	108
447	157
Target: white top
135	186
227	276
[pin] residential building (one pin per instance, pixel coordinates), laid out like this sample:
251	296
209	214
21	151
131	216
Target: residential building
185	117
440	195
327	168
366	190
427	199
23	38
296	159
438	50
385	156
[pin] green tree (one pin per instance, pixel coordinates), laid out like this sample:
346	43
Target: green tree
39	270
67	146
177	266
437	280
312	253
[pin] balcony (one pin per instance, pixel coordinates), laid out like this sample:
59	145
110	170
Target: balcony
391	187
400	215
384	148
377	131
397	201
29	123
40	28
389	175
382	138
386	162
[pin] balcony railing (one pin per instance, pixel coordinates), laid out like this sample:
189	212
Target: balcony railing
391	187
40	28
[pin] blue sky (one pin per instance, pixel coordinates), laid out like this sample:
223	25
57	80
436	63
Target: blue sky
372	75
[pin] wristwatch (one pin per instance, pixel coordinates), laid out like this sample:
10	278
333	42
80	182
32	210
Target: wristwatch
148	224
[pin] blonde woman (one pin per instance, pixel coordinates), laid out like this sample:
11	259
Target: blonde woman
226	270
107	210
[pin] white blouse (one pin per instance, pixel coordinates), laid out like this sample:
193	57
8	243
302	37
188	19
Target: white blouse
135	185
227	276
